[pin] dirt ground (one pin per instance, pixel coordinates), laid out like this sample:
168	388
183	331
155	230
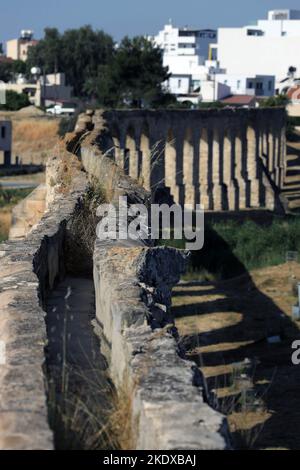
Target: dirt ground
240	333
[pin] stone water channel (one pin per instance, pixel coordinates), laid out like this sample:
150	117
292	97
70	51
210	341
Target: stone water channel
79	390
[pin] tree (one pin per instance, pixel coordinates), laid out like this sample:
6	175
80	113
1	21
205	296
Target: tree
9	69
273	101
47	53
77	52
134	77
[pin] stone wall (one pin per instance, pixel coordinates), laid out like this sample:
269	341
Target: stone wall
133	290
227	159
28	270
133	285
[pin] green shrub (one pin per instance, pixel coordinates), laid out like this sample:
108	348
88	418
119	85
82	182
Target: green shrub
15	101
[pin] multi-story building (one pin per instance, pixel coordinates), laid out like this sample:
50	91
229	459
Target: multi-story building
186	42
17	49
270	47
196	75
185	52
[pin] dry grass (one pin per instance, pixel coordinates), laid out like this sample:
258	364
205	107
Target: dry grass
191	325
33	138
92	416
120	421
5	223
68	169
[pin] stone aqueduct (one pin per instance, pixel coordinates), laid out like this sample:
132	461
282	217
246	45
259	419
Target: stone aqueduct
227	159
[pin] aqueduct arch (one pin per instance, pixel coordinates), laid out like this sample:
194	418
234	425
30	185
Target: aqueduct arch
223	159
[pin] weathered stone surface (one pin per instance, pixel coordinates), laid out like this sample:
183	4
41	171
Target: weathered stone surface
28	269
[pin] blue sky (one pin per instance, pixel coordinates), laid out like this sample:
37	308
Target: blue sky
131	17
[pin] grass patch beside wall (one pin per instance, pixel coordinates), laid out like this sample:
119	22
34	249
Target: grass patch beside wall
230	248
8	199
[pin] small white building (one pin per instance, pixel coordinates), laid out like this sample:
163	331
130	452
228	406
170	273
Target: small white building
259	85
269	47
42	91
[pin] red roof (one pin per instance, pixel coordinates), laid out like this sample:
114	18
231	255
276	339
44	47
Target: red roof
240	100
294	93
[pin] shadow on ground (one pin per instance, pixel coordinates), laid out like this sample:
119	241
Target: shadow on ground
228	327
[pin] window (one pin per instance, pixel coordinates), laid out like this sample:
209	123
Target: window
250	85
280	16
238	84
3	132
179	83
186	33
270	85
259	86
254	32
183	45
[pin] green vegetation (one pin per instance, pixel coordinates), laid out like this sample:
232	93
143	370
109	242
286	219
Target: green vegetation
8	70
8	199
11	197
76	52
128	75
230	248
211	105
273	101
133	77
15	101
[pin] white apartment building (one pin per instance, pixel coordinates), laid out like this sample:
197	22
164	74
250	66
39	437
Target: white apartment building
185	52
270	47
195	74
186	42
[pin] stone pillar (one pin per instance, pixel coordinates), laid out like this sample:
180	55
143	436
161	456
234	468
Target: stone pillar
204	155
119	154
228	172
238	173
282	159
170	159
157	163
179	188
188	169
216	168
252	167
273	155
133	157
146	160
